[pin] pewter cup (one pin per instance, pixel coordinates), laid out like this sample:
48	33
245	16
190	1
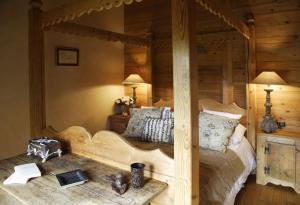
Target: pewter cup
137	175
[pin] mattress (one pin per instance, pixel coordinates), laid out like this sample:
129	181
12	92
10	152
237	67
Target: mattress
222	175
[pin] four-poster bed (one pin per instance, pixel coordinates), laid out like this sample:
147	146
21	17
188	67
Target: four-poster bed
183	171
118	151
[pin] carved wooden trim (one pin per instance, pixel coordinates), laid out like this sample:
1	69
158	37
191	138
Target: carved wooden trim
186	131
113	149
216	38
79	8
226	14
87	31
36	69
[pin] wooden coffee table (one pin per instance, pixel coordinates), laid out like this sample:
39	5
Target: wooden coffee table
46	189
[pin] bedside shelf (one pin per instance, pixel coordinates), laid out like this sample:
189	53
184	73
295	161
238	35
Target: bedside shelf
118	123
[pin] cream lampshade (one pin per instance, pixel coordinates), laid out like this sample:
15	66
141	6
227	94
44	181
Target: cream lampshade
133	79
269	78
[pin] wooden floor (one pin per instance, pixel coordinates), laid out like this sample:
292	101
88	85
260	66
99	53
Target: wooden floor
254	194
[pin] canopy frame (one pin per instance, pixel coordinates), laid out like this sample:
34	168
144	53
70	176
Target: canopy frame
185	79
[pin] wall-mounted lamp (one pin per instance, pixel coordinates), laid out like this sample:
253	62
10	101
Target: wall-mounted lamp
268	124
133	79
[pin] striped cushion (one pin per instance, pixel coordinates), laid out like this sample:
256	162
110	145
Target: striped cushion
167	113
158	130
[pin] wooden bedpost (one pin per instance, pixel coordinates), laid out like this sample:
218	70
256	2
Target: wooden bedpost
36	68
186	145
150	55
251	88
227	73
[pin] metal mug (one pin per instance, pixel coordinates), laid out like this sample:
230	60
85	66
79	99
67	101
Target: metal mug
137	175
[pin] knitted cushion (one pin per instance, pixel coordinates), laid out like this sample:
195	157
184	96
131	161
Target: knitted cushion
158	130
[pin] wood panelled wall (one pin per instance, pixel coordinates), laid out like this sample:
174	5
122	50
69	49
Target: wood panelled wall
278	49
277	24
154	17
215	50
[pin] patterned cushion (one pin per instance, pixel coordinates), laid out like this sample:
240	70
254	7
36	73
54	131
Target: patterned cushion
158	130
137	121
215	131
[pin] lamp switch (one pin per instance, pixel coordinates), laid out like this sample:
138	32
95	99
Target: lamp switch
281	124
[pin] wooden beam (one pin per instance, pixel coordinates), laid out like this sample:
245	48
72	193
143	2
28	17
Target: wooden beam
36	69
87	31
227	74
220	9
79	8
218	38
186	142
251	88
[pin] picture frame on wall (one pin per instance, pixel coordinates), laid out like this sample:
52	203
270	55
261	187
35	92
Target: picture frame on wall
67	56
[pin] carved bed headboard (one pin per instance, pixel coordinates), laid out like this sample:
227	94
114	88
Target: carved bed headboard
211	105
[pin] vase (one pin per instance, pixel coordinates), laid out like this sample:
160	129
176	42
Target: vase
124	110
137	175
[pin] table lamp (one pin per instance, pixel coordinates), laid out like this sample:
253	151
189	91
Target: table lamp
268	125
133	79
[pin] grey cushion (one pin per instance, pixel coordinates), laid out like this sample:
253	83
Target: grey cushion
137	121
158	130
215	131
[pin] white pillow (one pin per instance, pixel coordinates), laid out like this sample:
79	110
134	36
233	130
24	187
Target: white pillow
223	114
238	134
148	107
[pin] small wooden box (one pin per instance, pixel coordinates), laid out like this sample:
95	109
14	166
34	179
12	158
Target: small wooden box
118	123
278	159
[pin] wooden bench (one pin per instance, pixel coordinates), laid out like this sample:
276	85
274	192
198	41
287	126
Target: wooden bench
46	189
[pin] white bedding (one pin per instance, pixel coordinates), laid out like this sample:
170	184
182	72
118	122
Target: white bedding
247	155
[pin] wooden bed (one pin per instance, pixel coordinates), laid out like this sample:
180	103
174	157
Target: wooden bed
113	149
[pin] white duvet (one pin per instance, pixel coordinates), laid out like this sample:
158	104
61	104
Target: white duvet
247	155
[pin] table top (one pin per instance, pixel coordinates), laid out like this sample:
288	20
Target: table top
46	189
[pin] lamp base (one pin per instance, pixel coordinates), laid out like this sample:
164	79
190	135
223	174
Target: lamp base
268	125
134	95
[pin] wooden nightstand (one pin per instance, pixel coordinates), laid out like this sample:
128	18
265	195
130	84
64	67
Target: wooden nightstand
118	123
278	159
